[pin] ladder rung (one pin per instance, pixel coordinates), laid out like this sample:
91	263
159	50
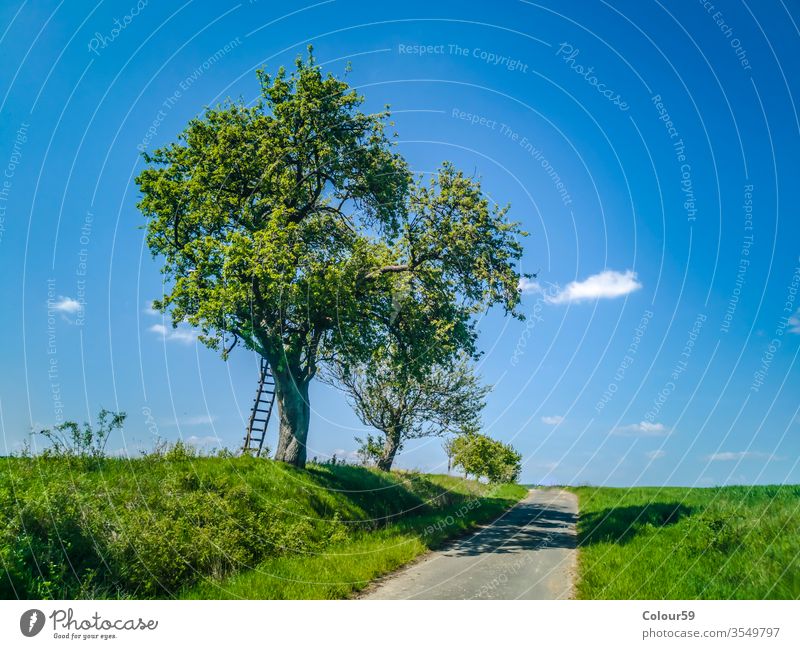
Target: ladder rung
265	396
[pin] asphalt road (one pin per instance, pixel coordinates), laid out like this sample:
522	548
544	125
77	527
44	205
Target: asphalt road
529	553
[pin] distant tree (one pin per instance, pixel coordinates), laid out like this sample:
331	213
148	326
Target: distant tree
369	449
404	405
483	457
288	225
87	440
447	447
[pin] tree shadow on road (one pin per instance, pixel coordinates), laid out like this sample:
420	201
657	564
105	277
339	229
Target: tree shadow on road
528	526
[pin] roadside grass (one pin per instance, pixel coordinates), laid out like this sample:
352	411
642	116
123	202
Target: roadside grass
173	524
681	543
349	566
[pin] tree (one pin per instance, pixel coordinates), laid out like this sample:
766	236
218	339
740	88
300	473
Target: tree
288	225
483	457
403	406
447	447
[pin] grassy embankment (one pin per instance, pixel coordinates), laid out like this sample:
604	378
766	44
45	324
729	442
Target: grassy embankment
676	543
180	526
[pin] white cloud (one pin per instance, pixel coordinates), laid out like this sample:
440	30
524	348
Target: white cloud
608	284
149	310
189	420
552	419
65	305
207	440
183	335
794	323
344	454
186	336
199	420
643	428
655	455
528	286
727	456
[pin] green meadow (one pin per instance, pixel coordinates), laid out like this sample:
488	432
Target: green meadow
680	543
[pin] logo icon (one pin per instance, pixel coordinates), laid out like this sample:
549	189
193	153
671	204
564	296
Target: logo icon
31	622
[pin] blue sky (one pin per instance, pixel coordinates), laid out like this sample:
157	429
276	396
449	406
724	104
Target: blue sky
651	152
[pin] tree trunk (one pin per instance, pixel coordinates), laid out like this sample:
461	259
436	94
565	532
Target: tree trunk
294	414
390	446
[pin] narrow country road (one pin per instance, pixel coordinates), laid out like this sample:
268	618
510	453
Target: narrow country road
529	553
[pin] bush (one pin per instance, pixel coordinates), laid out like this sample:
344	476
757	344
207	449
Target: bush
87	442
483	457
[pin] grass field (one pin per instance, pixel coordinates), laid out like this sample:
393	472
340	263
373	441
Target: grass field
675	543
173	525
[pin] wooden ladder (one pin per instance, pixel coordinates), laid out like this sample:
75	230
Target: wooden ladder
262	411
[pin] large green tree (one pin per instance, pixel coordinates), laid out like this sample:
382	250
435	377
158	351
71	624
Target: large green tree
291	225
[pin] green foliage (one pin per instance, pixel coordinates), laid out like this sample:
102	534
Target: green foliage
69	439
481	456
290	224
370	449
153	526
678	543
247	211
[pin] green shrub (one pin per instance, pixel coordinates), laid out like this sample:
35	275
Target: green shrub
483	457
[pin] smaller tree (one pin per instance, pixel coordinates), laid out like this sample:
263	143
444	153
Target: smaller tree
370	449
447	447
405	404
483	457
